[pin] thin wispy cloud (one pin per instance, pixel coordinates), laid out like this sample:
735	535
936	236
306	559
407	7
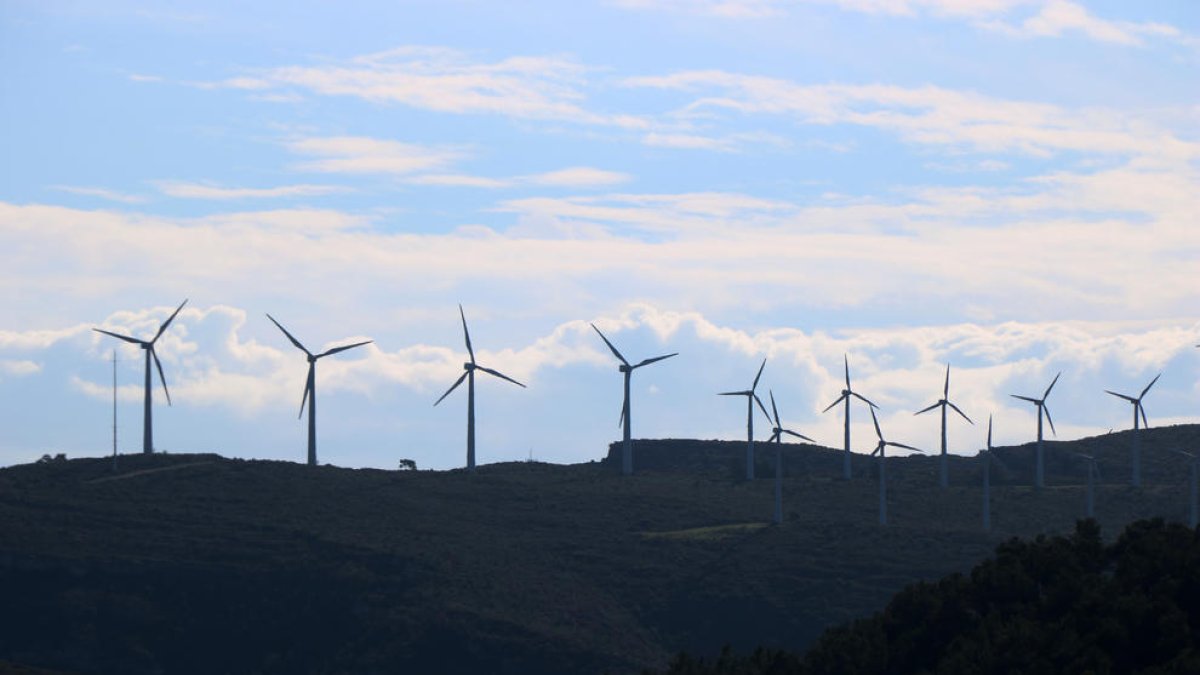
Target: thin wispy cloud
359	154
1022	19
188	190
101	193
449	81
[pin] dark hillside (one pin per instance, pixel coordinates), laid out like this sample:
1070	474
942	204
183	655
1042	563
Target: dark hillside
204	564
1063	604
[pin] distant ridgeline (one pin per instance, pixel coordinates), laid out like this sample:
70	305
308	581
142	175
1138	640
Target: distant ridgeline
727	458
1065	604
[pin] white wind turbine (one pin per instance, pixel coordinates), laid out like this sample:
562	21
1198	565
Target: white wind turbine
469	369
1194	483
148	347
751	399
881	450
846	394
1135	478
1093	473
1039	471
943	403
310	386
626	412
777	436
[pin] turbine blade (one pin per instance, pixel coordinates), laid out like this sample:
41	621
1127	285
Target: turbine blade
1048	419
830	406
863	399
168	322
162	378
501	375
876	421
466	333
1142	409
121	337
989	447
906	447
289	335
1052	383
846	360
1127	398
760	369
964	415
761	407
774	437
792	433
946	389
1150	385
343	348
656	359
308	381
453	387
610	345
624	407
925	410
1025	398
773	408
734	393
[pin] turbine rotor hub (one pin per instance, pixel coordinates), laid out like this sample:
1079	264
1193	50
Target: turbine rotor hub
469	366
624	368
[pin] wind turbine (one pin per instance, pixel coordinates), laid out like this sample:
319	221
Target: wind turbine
1136	475
1194	480
469	369
751	399
777	435
944	478
846	394
1093	472
881	450
148	347
989	456
627	452
310	386
1039	473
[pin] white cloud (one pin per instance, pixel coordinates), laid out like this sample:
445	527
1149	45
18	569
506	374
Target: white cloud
578	176
930	115
1016	18
359	154
186	190
446	80
102	193
572	177
19	367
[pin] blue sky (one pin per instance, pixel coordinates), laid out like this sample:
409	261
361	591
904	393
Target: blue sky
1009	186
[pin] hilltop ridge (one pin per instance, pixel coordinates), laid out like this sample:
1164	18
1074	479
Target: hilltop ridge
519	567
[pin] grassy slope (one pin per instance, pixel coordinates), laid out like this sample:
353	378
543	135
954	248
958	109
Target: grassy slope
219	564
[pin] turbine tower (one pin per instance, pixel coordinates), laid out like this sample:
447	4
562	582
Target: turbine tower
1093	473
148	347
777	436
751	399
943	477
310	386
881	450
469	369
1039	472
626	414
1135	478
1194	481
846	394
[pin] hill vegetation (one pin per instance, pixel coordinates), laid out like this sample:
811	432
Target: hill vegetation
1063	604
196	563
